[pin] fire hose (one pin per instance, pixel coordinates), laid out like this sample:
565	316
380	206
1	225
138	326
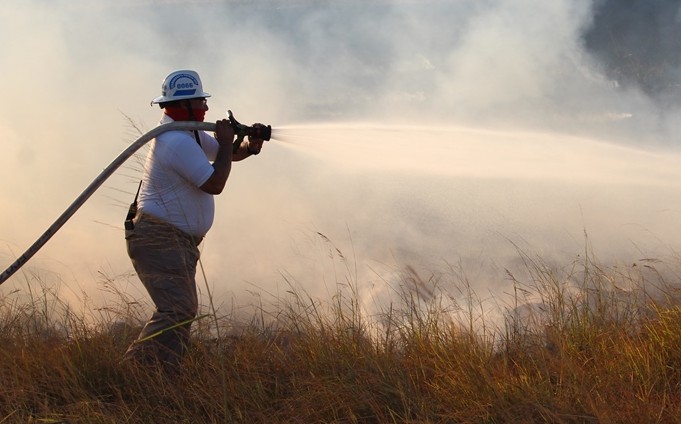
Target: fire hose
240	131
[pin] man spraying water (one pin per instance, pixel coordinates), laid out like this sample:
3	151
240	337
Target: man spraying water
182	173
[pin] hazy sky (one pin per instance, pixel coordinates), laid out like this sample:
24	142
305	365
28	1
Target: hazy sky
477	125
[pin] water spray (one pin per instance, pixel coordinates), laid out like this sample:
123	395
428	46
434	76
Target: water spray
240	130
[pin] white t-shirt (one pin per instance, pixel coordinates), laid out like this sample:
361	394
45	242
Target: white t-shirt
175	168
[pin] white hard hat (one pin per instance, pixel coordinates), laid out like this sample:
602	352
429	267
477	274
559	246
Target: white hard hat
180	85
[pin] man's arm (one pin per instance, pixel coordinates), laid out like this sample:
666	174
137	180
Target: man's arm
249	147
222	165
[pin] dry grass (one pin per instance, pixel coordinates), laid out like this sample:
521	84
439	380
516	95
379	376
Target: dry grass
579	344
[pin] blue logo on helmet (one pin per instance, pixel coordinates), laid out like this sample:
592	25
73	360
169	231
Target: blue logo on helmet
182	86
185	92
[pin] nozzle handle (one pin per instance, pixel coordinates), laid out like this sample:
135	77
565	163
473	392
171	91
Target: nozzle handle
241	130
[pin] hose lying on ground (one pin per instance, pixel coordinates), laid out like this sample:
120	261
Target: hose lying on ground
106	173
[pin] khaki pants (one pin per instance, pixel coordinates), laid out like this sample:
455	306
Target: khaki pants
165	260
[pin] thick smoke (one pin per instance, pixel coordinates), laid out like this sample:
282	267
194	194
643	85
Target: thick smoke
638	42
537	80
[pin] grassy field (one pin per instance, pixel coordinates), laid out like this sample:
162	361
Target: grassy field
596	345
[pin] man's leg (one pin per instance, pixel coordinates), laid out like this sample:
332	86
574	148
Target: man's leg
166	265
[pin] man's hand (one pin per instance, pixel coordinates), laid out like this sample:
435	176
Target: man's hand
255	143
224	133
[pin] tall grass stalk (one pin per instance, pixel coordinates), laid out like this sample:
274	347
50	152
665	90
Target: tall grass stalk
578	343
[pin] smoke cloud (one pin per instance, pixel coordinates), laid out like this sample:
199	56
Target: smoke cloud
423	133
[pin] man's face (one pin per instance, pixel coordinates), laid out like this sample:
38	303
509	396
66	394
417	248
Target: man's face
199	104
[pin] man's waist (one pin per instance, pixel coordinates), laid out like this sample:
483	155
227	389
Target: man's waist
156	221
